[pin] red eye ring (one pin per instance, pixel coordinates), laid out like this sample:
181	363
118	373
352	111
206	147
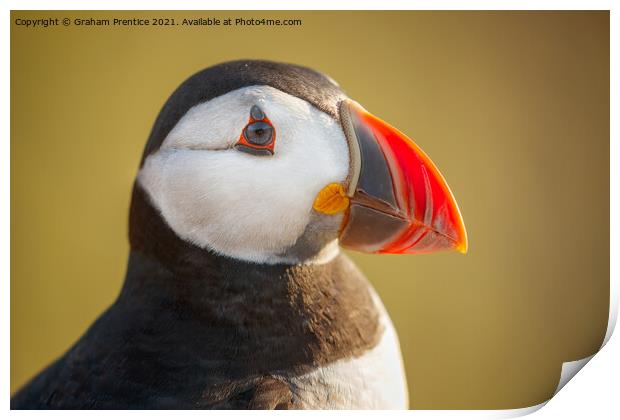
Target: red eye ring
258	137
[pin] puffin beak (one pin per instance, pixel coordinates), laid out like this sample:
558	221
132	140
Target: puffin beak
398	202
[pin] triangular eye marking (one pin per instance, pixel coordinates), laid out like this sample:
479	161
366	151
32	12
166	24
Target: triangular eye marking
257	113
258	137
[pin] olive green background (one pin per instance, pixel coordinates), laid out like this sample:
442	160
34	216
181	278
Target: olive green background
513	107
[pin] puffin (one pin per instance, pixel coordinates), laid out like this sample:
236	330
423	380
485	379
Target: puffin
237	294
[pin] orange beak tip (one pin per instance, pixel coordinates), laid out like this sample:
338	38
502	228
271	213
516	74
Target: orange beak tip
462	247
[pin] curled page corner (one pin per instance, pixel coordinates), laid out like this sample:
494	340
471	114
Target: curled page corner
570	369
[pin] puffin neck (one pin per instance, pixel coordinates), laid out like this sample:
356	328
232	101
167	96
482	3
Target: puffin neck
184	268
295	314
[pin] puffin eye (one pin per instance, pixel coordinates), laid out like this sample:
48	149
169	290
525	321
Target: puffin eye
258	133
258	136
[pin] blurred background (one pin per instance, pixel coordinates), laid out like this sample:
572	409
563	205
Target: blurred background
513	107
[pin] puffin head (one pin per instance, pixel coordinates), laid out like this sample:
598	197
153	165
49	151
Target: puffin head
272	163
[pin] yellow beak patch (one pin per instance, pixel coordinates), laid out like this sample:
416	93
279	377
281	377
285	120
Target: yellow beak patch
331	200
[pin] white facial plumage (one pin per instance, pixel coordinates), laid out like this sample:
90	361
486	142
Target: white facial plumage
248	207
